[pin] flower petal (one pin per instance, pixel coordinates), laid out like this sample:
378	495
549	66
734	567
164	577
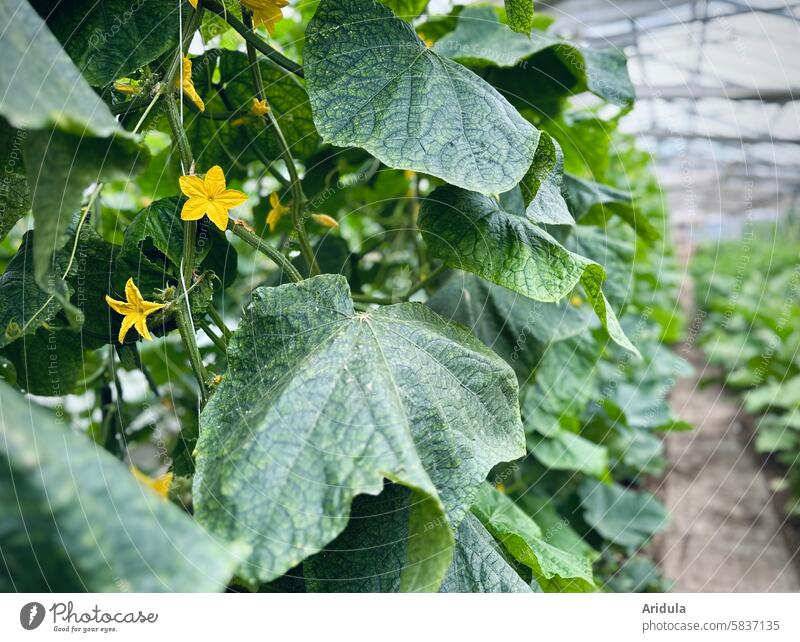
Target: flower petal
120	307
218	214
192	186
194	209
132	294
141	328
230	198
127	324
215	181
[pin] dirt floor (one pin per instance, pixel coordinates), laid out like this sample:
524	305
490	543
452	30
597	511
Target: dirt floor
726	532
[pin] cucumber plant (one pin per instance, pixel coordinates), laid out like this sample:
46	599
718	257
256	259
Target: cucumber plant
336	296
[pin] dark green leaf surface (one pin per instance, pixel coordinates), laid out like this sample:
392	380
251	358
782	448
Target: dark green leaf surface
554	568
374	84
108	39
320	404
60	167
472	232
392	543
24	307
479	565
625	517
520	15
220	141
515	327
41	86
48	362
481	39
15	199
75	519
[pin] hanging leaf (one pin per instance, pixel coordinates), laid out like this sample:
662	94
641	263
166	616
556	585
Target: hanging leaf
555	569
406	9
473	232
67	529
60	167
41	86
481	39
321	404
374	84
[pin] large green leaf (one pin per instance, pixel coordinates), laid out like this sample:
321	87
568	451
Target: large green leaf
626	517
566	450
520	15
107	39
374	84
554	568
321	404
515	327
15	199
393	542
481	39
215	141
60	167
74	518
41	86
473	232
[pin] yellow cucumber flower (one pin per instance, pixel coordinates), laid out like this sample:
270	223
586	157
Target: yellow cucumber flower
209	197
266	12
193	3
576	301
134	311
260	107
324	219
188	85
276	212
159	484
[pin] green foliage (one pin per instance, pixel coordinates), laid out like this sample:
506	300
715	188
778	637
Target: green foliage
747	290
66	528
428	354
364	69
397	393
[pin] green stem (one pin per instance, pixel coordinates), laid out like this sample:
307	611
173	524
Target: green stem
195	360
219	322
140	364
424	282
210	334
252	39
266	249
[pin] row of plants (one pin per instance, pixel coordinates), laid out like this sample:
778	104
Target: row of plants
748	290
348	298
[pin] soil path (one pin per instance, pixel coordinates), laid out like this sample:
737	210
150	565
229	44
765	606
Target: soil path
726	532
